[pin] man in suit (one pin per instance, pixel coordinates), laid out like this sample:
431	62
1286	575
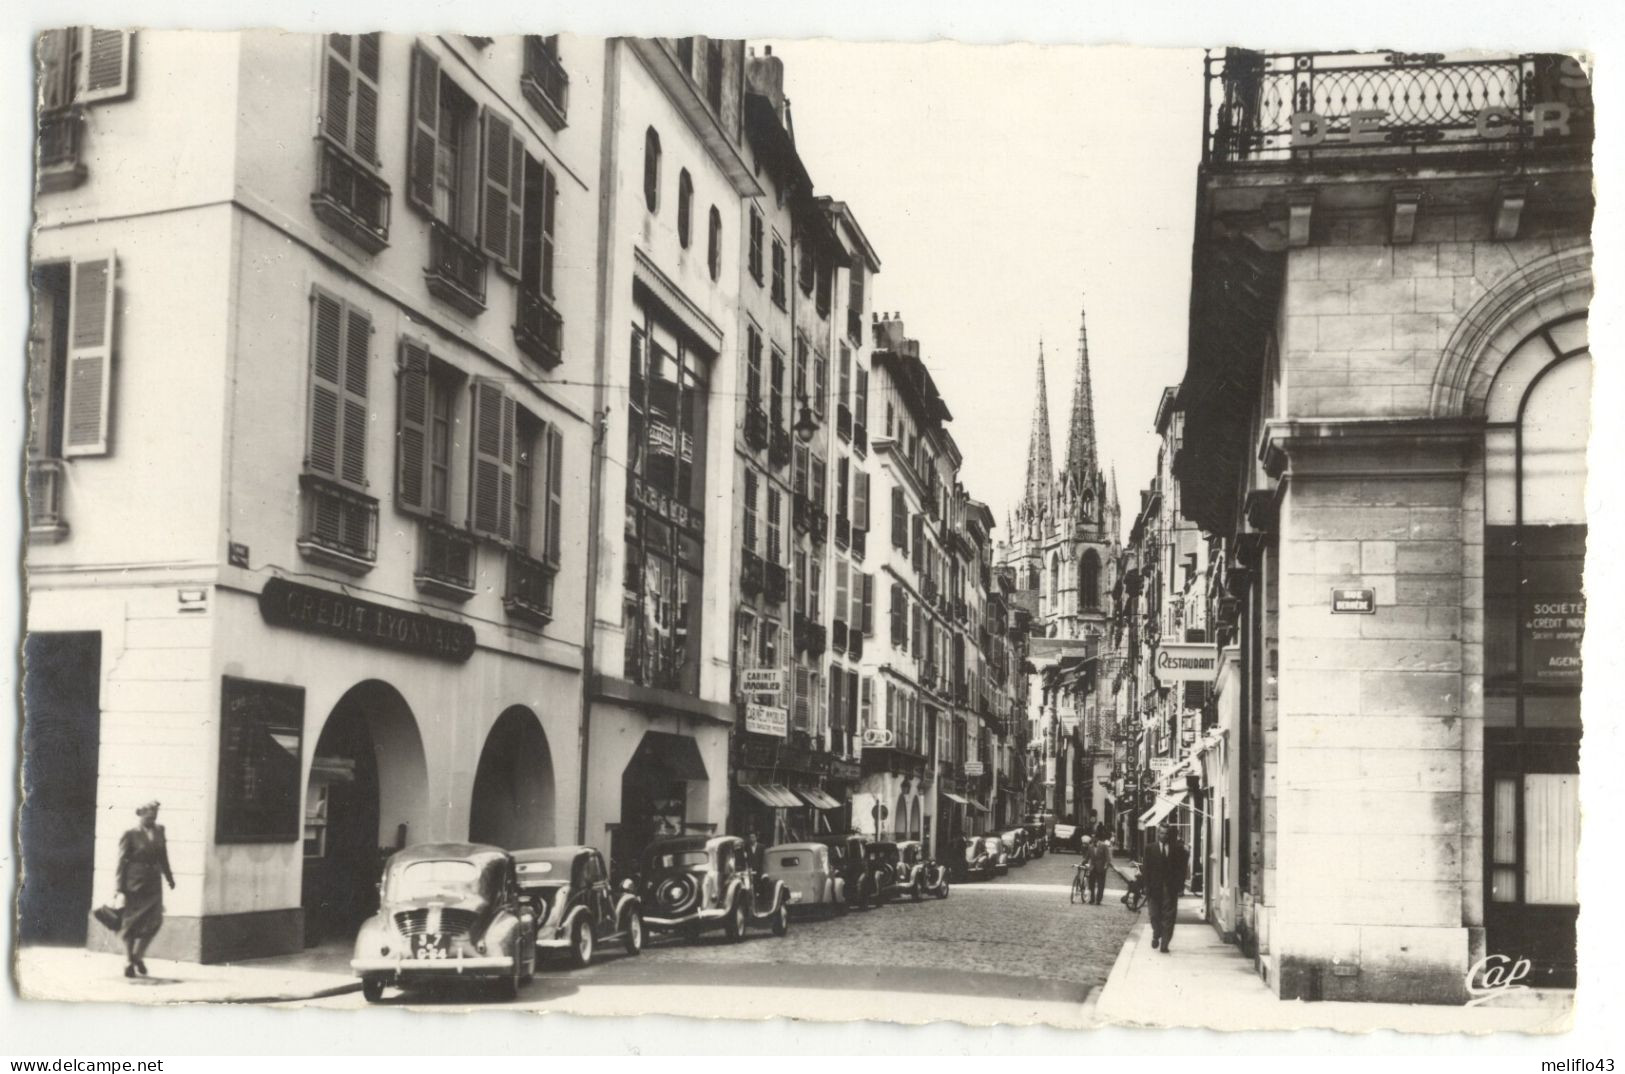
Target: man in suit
1163	871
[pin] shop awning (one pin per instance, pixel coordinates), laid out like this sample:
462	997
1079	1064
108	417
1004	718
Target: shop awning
818	799
772	795
1106	791
1166	804
974	804
960	798
678	755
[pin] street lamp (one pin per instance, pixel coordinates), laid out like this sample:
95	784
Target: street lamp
806	425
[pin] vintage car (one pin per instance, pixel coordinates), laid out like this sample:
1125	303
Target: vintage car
849	857
1015	845
447	911
905	869
998	858
568	891
689	883
809	874
970	861
1037	830
1066	836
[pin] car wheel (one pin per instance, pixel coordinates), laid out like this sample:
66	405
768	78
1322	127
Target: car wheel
781	919
943	892
581	943
734	926
634	932
372	989
917	890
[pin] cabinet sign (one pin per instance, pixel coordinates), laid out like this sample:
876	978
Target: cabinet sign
1354	601
767	720
1187	663
764	681
973	768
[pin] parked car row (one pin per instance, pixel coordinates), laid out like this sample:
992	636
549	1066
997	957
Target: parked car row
463	911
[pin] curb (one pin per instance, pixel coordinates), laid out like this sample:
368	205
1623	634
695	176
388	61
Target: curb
323	993
1119	971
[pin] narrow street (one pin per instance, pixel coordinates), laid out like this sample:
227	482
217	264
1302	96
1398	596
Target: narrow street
1009	949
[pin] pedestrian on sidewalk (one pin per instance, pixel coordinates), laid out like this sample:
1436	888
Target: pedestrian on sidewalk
1099	857
1163	871
143	860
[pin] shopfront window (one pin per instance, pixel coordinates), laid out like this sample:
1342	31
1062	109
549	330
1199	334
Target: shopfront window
665	519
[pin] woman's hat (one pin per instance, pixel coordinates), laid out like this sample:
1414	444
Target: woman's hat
148	807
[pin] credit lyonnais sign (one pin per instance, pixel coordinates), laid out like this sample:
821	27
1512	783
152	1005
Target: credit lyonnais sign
321	611
1187	663
1552	632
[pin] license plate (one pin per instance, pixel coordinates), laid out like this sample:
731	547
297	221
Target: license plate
428	947
795	896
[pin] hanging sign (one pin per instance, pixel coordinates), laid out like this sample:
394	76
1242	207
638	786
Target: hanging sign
767	720
763	681
1187	663
973	768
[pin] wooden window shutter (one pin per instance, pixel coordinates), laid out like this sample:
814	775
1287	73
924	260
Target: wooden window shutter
498	189
357	351
106	59
803	687
338	91
837	695
843	597
58	67
851	699
899	521
868	619
860	500
555	493
550	201
365	137
88	395
423	123
898	626
412	428
326	384
491	488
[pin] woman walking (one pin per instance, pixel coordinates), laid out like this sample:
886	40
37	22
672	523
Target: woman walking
143	859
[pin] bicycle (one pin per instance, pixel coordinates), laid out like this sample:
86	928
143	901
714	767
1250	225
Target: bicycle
1080	884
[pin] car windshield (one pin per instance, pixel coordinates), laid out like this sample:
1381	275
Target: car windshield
446	878
688	859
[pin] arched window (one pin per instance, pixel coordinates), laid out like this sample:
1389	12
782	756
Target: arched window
1089	581
651	169
685	208
1054	578
1534	619
713	252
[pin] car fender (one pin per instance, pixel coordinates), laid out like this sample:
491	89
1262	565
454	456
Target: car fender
735	890
625	903
839	889
575	913
502	935
376	933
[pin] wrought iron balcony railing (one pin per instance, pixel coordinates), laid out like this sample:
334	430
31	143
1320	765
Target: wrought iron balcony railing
809	635
340	525
778	449
1273	108
47	479
350	197
445	561
61	145
775	583
539	330
756	434
751	574
529	595
456	270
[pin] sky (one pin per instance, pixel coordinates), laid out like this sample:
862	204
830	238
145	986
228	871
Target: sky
1006	189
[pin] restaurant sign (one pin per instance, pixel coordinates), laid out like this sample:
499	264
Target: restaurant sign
767	720
321	611
1187	663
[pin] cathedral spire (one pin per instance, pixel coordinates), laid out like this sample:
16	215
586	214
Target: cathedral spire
1081	459
1040	468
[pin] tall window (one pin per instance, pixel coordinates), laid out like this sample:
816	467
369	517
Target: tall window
748	533
544	81
775	391
775	512
756	236
685	208
1089	581
854	299
820	384
713	74
779	295
651	169
1535	614
713	250
426	427
753	366
665	523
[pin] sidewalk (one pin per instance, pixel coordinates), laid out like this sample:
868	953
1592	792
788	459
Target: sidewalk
77	975
1204	983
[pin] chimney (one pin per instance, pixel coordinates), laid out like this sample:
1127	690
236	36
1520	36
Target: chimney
889	331
764	75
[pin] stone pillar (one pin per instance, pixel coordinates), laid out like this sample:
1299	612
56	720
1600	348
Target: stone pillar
1372	869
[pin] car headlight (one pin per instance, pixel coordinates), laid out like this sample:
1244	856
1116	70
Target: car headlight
383	949
480	947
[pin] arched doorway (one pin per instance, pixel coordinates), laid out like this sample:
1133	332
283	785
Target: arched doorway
364	797
513	805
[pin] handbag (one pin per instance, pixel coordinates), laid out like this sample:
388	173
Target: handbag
110	915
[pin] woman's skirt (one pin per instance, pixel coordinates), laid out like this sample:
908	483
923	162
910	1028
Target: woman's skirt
143	911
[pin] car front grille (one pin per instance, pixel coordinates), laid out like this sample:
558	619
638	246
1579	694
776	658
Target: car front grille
446	923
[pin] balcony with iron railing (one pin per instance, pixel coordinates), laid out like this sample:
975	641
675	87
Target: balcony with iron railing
756	430
47	482
529	595
545	83
339	525
1342	108
809	635
752	574
539	330
350	197
456	270
445	560
778	448
61	149
775	582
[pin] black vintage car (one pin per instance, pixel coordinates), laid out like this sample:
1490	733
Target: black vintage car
448	911
849	858
576	910
969	861
689	883
905	869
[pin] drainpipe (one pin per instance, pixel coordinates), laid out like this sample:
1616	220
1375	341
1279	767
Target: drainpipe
608	159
